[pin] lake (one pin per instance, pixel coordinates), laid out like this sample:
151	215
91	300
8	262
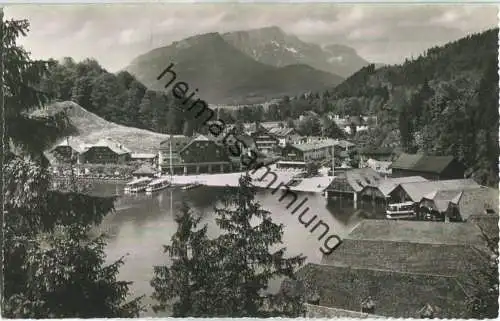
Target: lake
142	224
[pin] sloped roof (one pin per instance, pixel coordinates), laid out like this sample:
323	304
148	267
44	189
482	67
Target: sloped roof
358	178
388	185
405	257
344	143
315	145
423	163
74	142
143	155
395	294
281	132
112	144
417	190
417	232
475	201
178	142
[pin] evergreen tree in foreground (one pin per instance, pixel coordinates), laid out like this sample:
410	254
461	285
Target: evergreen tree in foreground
226	276
52	267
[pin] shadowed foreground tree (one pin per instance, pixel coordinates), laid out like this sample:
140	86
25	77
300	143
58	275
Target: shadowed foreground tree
52	267
227	276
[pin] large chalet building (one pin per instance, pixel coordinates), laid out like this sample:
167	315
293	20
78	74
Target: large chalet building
193	155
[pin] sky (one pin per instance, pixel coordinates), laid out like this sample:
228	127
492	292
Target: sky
114	34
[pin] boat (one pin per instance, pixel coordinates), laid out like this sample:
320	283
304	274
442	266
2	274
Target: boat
137	185
157	184
398	211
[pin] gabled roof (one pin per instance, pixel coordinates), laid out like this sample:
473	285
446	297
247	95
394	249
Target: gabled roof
475	201
358	178
315	145
422	163
388	185
417	190
74	142
115	146
281	132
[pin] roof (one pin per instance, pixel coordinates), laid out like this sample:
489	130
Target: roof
145	170
417	232
315	145
475	201
197	138
281	132
395	294
405	257
143	155
388	185
358	178
178	142
313	184
417	190
422	163
73	142
112	144
344	144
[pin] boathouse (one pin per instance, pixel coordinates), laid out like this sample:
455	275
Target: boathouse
392	265
348	184
430	167
460	204
415	191
382	191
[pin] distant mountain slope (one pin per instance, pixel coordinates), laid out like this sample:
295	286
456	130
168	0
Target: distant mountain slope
274	47
92	128
444	102
223	74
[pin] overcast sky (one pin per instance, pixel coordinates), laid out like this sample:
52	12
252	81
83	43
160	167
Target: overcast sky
115	34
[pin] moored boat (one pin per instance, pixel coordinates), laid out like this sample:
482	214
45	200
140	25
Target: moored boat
191	186
137	185
157	184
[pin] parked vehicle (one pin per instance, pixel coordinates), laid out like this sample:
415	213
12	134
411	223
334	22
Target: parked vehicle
401	211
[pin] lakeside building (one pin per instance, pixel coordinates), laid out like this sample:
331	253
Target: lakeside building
457	205
266	143
405	269
69	150
415	191
284	135
430	167
382	192
299	154
106	151
193	155
348	184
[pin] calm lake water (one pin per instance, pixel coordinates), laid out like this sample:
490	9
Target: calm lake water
142	224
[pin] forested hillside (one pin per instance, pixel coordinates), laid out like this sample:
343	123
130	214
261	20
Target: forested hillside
443	102
117	98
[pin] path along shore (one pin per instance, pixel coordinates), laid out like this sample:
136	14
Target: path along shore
313	184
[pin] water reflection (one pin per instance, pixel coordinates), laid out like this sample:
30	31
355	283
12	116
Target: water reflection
143	223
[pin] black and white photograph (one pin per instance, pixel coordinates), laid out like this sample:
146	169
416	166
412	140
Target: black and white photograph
249	160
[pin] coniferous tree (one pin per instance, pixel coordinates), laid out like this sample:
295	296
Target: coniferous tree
52	267
226	276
